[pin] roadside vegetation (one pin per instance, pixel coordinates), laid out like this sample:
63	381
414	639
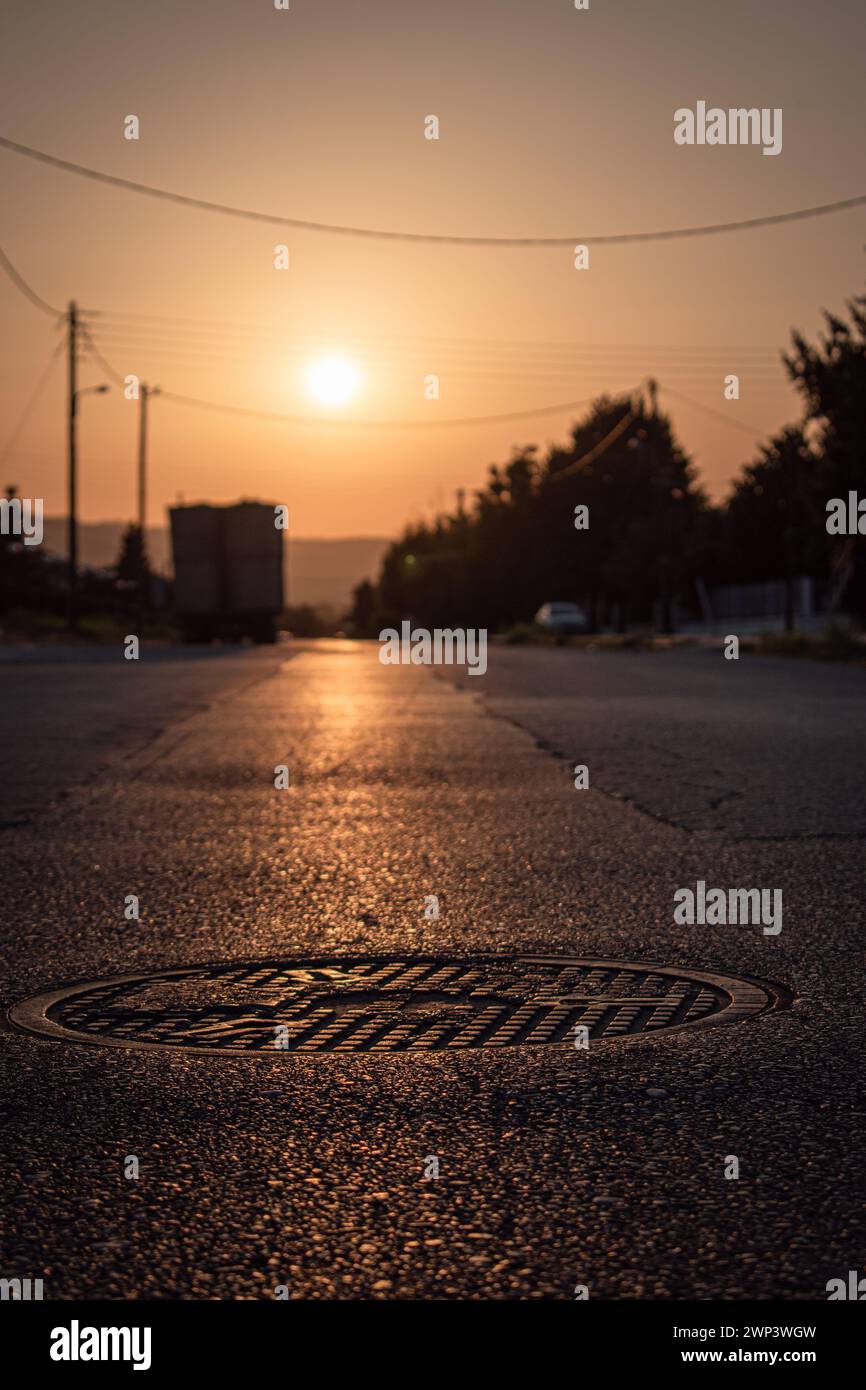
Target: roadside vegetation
653	543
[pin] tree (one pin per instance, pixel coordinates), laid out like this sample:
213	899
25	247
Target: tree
775	516
132	563
517	546
831	378
363	607
643	502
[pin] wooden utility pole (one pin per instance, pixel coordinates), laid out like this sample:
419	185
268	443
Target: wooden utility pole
143	396
72	611
146	392
142	454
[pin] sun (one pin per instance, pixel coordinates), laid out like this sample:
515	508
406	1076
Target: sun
332	380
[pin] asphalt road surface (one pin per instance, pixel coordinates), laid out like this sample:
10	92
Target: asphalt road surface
556	1167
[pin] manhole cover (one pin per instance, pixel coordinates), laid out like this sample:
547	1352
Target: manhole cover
398	1004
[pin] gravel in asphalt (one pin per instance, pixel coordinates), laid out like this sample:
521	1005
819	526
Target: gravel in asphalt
557	1168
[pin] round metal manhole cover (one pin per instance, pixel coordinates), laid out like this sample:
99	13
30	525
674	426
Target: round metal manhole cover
395	1004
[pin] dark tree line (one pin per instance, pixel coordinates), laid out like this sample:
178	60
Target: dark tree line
35	581
653	539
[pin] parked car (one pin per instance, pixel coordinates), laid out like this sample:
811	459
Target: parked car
562	619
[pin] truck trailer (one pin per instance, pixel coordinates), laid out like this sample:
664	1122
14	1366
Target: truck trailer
228	571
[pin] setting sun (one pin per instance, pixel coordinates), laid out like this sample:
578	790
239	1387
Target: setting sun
332	380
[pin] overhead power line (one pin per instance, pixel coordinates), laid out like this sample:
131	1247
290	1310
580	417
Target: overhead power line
384	349
110	371
157	358
521	352
277	219
400	376
196	327
308	420
21	284
455	421
708	410
561	407
598	449
31	403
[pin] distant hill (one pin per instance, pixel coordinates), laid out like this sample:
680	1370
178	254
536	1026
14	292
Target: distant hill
316	572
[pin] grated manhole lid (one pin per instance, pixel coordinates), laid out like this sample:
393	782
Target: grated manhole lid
376	1004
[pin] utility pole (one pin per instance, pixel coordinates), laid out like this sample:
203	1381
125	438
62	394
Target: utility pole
666	539
74	393
142	454
72	612
145	393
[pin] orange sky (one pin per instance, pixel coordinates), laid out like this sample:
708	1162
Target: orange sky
553	122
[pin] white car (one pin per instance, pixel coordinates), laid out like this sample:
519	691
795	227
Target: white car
561	618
